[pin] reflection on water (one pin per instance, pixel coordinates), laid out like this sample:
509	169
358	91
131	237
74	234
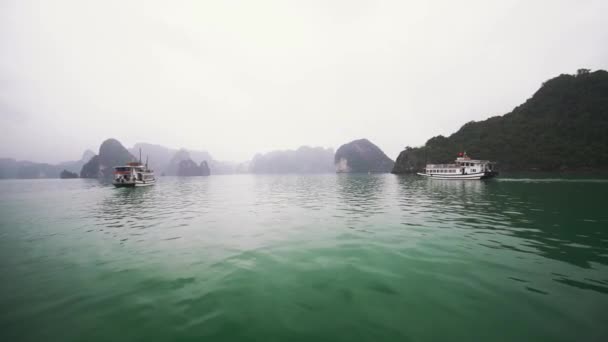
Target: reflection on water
334	257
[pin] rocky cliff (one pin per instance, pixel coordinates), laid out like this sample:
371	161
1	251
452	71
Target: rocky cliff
361	156
111	154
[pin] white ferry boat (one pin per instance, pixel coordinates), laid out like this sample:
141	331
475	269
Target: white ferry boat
463	168
132	175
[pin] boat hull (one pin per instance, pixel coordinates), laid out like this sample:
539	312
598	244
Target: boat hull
133	184
470	176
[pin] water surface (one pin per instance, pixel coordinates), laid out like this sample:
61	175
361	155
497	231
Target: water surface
304	258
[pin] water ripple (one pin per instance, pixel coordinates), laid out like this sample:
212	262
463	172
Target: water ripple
299	257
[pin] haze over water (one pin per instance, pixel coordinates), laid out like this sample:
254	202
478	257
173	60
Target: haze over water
304	257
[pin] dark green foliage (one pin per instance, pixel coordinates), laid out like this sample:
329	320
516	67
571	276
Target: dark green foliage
362	156
563	126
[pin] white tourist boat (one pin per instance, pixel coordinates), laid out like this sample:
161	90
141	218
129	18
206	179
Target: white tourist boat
463	168
133	174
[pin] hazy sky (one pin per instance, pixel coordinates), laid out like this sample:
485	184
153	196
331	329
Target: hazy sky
239	77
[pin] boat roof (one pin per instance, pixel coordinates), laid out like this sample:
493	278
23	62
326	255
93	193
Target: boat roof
469	160
135	164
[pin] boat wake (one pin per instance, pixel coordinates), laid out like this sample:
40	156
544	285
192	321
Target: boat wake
552	180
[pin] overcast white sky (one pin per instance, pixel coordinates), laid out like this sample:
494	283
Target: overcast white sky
240	77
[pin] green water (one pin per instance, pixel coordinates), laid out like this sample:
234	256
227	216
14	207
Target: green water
305	258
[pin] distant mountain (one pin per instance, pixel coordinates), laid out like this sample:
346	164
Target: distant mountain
199	156
11	168
91	169
563	126
178	157
188	168
303	160
87	155
160	158
111	154
361	156
205	171
8	168
76	166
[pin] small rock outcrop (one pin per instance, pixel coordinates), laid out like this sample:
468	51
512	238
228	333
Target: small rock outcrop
361	156
65	174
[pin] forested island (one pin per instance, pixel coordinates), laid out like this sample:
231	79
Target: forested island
563	126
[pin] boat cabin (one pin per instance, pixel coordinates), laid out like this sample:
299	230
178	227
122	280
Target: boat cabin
462	166
133	171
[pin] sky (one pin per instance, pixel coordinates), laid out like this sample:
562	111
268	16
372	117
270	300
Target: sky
240	77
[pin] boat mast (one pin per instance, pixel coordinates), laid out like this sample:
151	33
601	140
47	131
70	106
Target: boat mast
140	155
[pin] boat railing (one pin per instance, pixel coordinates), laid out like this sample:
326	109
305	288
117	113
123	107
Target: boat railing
441	166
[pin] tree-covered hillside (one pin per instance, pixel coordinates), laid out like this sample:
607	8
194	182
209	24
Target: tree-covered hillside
564	126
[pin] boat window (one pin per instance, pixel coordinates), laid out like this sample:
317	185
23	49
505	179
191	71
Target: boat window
123	169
